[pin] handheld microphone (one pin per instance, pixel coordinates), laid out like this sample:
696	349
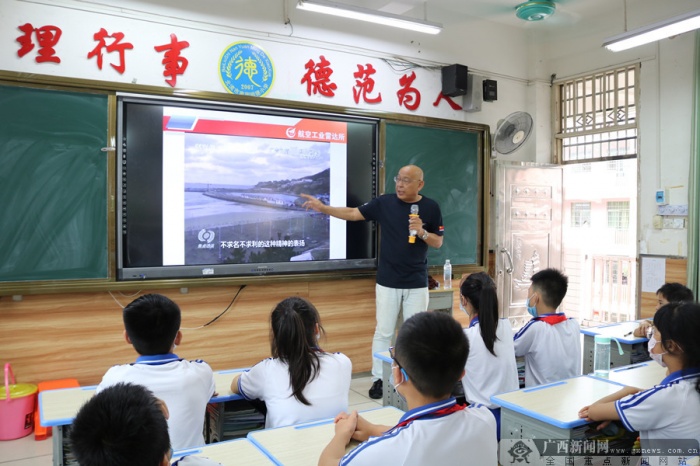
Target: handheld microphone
413	233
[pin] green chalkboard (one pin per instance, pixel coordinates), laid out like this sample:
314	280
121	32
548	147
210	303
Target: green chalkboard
53	185
453	174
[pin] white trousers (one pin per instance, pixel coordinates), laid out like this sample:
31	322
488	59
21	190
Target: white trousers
390	301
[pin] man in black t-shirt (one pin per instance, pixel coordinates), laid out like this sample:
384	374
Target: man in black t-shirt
402	273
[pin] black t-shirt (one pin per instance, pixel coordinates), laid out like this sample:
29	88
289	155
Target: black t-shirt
402	264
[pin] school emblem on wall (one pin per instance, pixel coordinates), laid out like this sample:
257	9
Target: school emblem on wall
246	69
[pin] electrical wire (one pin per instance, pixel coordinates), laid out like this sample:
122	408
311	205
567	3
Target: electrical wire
220	315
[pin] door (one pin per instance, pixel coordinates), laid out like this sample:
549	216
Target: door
528	230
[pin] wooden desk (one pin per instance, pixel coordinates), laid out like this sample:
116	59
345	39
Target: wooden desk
302	444
550	411
239	451
642	375
441	299
57	408
634	348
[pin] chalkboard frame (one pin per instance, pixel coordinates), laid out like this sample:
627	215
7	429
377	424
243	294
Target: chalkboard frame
482	177
109	88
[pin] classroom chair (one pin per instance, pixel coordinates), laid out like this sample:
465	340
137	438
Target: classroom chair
41	432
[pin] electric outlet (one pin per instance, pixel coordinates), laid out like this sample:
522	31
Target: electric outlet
674	223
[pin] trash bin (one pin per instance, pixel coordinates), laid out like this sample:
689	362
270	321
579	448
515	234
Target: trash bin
16	407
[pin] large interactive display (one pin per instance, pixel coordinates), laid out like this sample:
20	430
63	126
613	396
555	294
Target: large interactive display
209	190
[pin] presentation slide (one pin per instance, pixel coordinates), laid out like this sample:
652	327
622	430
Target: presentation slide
231	185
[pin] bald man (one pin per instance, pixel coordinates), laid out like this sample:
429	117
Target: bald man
402	273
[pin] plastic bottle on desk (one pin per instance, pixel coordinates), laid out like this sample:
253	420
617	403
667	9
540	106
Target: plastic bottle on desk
601	356
447	275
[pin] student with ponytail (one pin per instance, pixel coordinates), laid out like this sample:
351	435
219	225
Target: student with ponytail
300	382
490	367
670	410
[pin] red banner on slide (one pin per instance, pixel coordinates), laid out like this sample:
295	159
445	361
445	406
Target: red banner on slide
303	130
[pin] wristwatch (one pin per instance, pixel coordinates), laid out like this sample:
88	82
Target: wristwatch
424	236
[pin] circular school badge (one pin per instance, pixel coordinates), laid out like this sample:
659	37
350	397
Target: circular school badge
246	69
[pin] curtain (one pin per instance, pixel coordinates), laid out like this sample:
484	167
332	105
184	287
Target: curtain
694	183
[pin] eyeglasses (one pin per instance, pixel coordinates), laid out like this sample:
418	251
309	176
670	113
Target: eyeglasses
398	180
391	355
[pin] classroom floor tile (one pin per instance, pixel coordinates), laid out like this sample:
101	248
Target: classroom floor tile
26	452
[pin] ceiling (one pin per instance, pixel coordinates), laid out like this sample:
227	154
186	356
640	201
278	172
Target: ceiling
568	12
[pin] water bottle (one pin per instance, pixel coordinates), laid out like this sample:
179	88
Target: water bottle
447	275
601	356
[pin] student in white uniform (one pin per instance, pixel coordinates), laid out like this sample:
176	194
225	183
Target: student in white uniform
668	293
671	409
125	424
429	357
491	367
300	382
550	342
152	326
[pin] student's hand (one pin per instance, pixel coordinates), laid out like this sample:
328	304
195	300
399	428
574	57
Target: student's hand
641	331
345	425
583	413
365	429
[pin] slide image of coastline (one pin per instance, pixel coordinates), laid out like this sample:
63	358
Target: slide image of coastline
242	201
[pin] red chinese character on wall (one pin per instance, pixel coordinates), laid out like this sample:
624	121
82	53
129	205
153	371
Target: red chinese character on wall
364	85
46	36
174	63
408	96
114	46
453	104
318	78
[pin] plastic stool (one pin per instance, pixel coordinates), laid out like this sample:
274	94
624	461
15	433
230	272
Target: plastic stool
41	432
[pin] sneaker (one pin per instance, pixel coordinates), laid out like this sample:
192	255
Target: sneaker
377	390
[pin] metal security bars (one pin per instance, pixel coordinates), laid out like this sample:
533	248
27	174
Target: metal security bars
596	116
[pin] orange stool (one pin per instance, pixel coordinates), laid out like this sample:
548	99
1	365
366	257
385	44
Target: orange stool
41	432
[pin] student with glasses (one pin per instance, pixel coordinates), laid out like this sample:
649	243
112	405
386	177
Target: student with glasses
402	272
429	358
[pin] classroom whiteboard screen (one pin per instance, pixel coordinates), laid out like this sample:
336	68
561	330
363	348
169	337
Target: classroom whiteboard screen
215	191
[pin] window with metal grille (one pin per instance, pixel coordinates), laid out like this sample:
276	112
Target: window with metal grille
619	215
596	116
580	214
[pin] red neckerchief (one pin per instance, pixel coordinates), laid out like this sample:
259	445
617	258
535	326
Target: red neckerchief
433	415
552	319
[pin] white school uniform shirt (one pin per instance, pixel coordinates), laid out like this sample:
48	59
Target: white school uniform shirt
552	350
669	410
431	434
184	386
328	392
486	374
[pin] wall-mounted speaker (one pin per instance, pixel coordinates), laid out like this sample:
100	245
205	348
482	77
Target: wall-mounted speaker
454	80
490	90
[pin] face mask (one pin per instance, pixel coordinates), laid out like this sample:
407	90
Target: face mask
532	310
655	356
396	387
464	309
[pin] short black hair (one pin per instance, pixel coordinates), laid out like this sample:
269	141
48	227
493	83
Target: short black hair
152	322
680	322
123	424
432	348
552	286
675	292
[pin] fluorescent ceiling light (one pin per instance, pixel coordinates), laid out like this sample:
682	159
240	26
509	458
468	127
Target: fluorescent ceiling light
372	16
654	32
